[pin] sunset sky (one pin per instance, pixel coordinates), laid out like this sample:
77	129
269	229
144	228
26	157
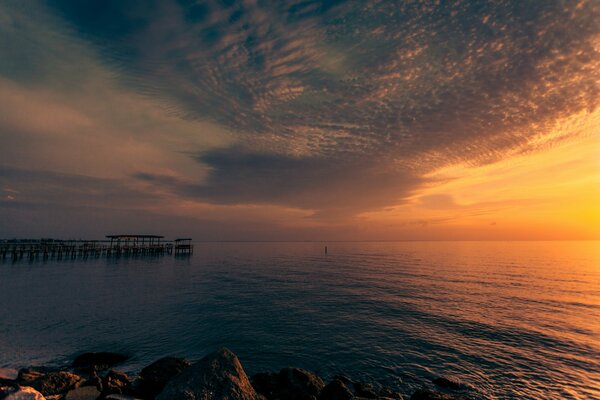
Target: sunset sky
300	120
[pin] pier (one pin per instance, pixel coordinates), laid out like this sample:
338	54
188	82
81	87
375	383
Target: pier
113	246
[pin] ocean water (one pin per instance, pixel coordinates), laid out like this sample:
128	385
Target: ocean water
509	319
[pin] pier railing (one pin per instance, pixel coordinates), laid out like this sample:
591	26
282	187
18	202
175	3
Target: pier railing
61	249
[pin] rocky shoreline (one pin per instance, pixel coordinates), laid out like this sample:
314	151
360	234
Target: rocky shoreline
218	376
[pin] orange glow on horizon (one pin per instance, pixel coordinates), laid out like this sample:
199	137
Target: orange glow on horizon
553	193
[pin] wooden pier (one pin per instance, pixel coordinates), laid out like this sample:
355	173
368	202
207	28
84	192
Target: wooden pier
113	246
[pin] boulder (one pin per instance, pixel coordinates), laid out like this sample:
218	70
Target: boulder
54	383
299	384
115	382
9	374
447	383
364	390
83	393
155	376
288	384
336	390
24	393
28	375
217	376
99	360
267	384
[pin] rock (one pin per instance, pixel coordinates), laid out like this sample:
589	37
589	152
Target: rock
54	383
83	393
28	375
94	381
288	384
25	393
217	376
364	390
426	394
267	384
115	382
155	376
6	390
336	390
447	383
9	374
299	384
100	360
120	397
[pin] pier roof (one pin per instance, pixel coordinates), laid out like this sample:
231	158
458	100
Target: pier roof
134	236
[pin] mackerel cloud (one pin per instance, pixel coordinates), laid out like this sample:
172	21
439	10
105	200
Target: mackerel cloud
346	106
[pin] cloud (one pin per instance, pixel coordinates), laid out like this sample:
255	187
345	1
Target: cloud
334	107
241	176
308	86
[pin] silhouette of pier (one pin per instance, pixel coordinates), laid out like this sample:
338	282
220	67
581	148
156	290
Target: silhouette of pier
113	246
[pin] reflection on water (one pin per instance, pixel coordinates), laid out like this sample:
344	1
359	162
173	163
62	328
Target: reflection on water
517	319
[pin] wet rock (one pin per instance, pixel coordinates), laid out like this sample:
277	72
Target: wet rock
95	381
335	390
288	384
447	383
99	360
6	390
55	383
299	384
266	383
9	374
83	393
364	390
24	393
115	382
426	394
28	375
217	376
155	376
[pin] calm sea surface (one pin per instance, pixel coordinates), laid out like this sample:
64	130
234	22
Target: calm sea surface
510	319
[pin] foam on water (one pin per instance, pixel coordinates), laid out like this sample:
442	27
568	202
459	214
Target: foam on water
510	319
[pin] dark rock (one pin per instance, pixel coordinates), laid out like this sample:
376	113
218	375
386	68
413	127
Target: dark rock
6	390
54	383
426	394
28	375
83	393
94	381
266	383
100	360
364	390
155	376
24	393
336	390
299	384
217	376
115	382
288	384
447	383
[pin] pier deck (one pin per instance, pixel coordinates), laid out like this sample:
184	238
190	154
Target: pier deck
114	246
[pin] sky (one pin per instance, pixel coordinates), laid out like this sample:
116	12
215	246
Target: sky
300	120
